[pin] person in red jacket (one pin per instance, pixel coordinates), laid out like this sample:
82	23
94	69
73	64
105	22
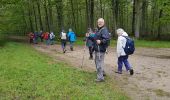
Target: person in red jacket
31	37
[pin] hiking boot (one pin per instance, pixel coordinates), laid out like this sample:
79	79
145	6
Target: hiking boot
64	51
90	58
131	72
118	72
71	48
104	74
99	80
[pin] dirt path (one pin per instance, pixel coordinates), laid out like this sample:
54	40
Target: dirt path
150	81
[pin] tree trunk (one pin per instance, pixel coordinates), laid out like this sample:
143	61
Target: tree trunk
159	26
73	14
134	16
138	17
30	16
59	7
50	15
46	17
35	17
91	14
39	15
87	14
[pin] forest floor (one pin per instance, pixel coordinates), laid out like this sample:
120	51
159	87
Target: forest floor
151	66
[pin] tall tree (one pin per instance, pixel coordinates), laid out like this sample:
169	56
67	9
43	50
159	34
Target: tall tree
39	14
46	16
59	7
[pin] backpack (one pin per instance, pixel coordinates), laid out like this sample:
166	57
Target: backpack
129	46
52	36
46	36
63	36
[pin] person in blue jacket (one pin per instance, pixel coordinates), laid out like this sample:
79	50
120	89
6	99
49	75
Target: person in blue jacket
72	38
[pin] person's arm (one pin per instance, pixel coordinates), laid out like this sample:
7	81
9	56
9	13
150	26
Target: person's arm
119	46
105	36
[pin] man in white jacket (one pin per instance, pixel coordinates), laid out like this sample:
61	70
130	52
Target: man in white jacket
122	56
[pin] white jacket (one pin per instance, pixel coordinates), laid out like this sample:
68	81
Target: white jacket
121	42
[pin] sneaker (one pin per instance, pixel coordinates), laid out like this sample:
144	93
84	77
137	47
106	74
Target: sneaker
99	80
131	72
118	72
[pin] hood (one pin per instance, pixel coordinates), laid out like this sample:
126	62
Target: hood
124	34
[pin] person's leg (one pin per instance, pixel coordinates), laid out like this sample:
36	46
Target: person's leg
99	65
62	45
71	45
127	65
102	62
120	64
91	52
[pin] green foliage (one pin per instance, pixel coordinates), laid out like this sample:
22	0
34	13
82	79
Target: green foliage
26	74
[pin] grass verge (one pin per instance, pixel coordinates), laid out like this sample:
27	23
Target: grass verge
27	74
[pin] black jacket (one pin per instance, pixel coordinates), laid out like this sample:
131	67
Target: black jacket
103	35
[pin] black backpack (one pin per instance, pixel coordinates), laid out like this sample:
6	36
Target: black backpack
130	46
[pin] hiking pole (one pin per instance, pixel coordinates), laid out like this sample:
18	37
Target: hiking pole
83	55
98	51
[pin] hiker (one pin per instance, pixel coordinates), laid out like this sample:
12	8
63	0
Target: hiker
52	36
35	37
63	36
41	35
31	37
89	35
100	44
72	38
46	37
122	56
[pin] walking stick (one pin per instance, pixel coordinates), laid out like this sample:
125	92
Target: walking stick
98	50
83	55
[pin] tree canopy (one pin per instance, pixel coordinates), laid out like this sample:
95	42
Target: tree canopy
140	18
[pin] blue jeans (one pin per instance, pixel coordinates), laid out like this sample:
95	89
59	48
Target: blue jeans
123	60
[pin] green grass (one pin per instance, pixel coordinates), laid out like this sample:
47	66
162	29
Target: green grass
138	43
26	74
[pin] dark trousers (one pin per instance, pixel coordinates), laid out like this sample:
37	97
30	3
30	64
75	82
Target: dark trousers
123	60
91	50
63	44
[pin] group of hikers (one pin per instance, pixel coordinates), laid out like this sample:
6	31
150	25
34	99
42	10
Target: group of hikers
97	42
48	37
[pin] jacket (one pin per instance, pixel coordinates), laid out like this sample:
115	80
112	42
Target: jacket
121	43
102	34
71	36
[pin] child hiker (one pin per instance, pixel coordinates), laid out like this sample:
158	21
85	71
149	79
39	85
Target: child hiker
122	56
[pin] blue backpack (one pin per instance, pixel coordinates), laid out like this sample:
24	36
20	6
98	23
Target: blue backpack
130	46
